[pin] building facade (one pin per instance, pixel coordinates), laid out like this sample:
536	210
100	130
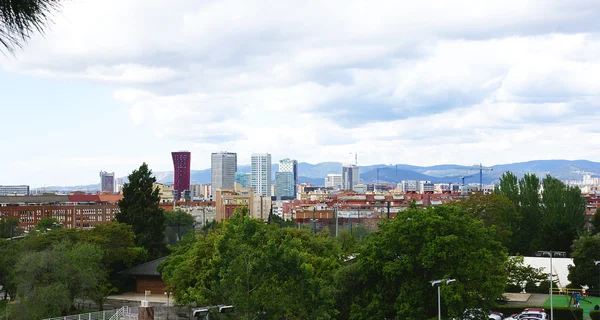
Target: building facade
182	161
21	190
333	180
223	167
290	165
284	185
244	179
261	173
350	176
107	181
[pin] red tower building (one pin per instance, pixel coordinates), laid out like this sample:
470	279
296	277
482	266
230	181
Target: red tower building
181	165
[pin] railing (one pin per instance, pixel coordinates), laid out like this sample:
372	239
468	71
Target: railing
119	314
100	315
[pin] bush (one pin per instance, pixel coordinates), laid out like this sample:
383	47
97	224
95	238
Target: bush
560	313
595	314
513	288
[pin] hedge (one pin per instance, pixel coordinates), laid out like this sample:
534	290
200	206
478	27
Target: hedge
595	314
560	313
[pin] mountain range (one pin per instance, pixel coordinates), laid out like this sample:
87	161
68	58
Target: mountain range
446	173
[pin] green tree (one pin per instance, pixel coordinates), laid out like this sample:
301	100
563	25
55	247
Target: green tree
49	281
177	224
265	271
563	215
584	271
48	224
596	223
399	260
116	241
9	254
10	227
495	211
19	19
519	274
140	209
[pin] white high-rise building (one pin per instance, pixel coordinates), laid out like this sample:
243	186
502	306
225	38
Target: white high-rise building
261	173
223	166
333	180
350	176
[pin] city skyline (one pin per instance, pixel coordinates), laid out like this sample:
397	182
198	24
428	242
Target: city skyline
314	83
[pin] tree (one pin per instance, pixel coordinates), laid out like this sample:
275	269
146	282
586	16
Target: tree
399	260
49	281
519	275
140	209
116	241
596	222
47	224
563	215
177	224
495	211
21	18
265	271
583	272
9	254
9	227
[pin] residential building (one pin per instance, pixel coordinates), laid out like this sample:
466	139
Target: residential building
261	173
426	187
350	176
107	181
165	192
181	171
196	191
244	179
333	180
206	190
21	190
223	166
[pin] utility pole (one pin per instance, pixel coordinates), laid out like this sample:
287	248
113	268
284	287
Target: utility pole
480	177
388	207
336	220
314	221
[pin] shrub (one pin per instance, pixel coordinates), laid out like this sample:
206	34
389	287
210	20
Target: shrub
595	314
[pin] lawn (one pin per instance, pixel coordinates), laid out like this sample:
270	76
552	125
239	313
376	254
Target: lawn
563	301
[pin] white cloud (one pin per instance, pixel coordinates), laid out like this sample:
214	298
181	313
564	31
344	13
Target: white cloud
397	81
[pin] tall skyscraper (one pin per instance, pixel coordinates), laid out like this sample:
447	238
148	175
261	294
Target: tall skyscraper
261	173
223	166
107	181
287	178
182	161
350	176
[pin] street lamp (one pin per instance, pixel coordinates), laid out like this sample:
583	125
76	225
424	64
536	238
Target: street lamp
551	253
168	294
204	311
438	284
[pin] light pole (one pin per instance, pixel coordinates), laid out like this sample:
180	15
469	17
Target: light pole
551	253
168	294
438	284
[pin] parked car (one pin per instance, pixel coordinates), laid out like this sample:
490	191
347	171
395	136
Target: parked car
478	314
530	314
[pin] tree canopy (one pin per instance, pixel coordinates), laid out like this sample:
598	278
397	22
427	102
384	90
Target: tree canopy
584	271
552	213
265	271
140	209
397	263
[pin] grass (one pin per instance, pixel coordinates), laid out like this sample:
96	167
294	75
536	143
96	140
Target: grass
563	301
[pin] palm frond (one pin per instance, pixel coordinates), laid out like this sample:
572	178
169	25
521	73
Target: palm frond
19	19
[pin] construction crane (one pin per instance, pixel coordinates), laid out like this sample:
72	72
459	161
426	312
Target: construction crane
462	178
481	168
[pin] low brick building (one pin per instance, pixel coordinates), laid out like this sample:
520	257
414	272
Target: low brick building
147	277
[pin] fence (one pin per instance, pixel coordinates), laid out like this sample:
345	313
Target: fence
100	315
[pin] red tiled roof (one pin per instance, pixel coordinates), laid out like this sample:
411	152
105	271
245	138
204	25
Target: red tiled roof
110	198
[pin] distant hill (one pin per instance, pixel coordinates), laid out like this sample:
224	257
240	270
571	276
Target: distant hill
445	173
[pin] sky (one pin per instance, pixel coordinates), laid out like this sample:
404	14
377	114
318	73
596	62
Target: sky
113	83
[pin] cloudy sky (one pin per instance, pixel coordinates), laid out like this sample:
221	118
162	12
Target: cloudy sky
114	83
